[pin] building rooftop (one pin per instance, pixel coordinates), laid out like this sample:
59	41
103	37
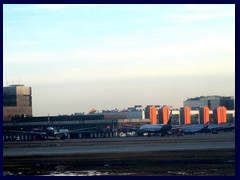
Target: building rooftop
209	97
15	85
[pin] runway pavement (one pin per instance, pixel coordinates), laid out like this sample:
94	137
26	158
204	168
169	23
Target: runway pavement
199	154
118	145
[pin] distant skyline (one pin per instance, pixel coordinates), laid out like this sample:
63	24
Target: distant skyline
79	57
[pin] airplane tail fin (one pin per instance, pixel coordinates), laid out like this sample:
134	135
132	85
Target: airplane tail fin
205	128
170	118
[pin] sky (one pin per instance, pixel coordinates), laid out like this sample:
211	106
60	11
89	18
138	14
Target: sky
79	57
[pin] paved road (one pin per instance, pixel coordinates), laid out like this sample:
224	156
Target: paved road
120	145
118	148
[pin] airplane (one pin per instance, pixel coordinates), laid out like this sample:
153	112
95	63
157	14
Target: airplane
162	129
215	128
50	132
196	128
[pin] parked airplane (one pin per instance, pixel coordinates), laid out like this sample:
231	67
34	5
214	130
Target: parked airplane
215	128
50	132
196	128
162	129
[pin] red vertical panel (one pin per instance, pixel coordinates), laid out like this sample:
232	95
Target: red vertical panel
221	115
153	114
205	114
224	115
219	120
187	118
165	114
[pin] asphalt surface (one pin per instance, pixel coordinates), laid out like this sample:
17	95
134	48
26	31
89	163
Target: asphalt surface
118	145
117	148
198	155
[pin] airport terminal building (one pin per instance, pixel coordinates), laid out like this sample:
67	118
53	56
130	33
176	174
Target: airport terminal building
212	102
17	115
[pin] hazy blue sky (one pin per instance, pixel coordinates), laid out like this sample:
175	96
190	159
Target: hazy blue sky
78	57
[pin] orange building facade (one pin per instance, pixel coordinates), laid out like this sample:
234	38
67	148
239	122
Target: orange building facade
221	115
204	115
185	116
153	114
163	115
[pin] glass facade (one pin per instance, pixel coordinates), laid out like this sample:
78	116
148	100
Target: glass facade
9	100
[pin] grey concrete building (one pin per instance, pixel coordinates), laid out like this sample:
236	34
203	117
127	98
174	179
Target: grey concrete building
210	101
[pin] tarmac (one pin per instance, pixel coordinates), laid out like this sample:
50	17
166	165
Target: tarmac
190	155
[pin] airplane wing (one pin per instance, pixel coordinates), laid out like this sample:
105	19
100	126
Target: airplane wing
214	128
75	130
151	128
54	133
192	129
25	132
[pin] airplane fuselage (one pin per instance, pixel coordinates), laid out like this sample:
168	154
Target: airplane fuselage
158	128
